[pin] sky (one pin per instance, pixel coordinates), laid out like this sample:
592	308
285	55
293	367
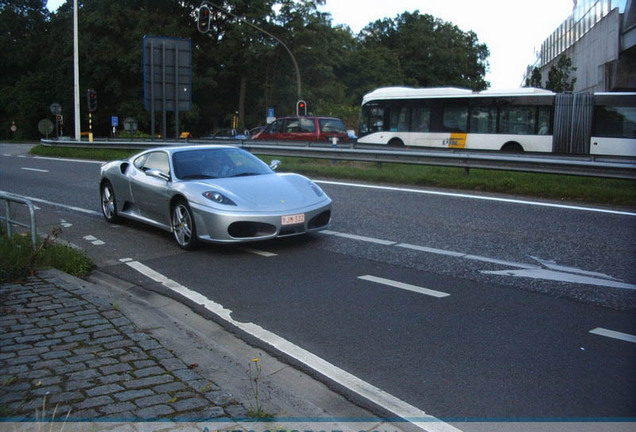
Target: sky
513	30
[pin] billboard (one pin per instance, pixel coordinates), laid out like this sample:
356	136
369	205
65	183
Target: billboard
167	74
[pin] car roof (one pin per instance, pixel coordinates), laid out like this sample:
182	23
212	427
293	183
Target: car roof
173	149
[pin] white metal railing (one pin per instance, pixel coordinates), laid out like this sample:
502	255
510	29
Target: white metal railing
9	198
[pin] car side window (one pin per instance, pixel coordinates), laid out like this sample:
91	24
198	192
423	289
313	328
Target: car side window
155	160
307	125
293	125
332	125
276	127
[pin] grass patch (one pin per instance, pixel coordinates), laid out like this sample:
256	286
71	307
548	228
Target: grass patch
18	259
591	190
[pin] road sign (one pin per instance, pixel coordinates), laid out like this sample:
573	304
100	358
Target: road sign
56	108
130	124
45	127
114	121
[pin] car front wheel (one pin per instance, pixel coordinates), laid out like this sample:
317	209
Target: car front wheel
183	227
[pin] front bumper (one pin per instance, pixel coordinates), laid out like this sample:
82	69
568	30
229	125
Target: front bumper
238	227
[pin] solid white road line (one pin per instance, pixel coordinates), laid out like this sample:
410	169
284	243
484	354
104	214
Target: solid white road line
404	286
360	238
257	252
35	169
614	334
375	395
477	197
69	160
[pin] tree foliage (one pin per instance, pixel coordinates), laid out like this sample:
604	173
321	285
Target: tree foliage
237	68
560	76
534	80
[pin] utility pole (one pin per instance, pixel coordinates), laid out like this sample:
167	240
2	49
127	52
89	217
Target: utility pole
76	86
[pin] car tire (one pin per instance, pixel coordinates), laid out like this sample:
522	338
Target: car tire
109	202
183	227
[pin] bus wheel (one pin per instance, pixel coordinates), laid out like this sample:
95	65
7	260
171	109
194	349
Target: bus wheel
396	142
512	147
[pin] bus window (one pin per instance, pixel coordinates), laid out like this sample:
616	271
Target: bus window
399	120
371	119
455	119
518	120
544	120
420	119
615	122
483	120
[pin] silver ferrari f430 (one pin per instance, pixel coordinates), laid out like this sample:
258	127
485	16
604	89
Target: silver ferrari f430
217	194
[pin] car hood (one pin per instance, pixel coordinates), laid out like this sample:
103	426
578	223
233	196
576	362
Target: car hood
269	192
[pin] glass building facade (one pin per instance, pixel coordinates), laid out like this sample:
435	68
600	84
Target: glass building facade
585	15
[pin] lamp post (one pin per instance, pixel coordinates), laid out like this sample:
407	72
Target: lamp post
76	89
268	34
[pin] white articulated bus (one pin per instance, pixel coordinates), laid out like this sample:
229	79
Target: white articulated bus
526	119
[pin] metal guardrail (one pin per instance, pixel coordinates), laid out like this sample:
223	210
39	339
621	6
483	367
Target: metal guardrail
579	165
8	198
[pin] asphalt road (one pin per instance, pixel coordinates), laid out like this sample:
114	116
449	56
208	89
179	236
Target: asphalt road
462	305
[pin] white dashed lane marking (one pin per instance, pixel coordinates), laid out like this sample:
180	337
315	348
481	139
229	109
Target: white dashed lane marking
404	286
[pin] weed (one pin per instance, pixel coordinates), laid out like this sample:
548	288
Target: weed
41	420
255	375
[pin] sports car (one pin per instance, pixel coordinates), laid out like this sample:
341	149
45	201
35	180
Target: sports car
217	194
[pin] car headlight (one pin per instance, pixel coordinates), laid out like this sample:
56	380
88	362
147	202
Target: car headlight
316	189
218	198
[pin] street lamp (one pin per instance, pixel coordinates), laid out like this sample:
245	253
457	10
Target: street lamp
207	4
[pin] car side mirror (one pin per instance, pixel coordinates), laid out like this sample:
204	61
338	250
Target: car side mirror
275	164
157	174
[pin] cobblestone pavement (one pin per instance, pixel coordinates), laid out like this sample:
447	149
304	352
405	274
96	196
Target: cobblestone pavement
63	350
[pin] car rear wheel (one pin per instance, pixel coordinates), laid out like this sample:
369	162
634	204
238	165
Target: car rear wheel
109	203
183	227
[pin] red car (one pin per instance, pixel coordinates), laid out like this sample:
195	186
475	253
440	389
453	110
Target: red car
307	128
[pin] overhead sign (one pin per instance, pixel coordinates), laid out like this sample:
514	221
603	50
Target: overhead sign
167	74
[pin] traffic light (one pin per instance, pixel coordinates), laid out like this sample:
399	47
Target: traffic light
301	108
91	99
203	19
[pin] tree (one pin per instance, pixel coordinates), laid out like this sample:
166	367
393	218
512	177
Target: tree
534	80
431	52
559	76
24	83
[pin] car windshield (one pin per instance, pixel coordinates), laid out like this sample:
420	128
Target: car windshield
216	163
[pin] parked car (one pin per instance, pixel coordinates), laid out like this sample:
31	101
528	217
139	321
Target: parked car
217	194
309	128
